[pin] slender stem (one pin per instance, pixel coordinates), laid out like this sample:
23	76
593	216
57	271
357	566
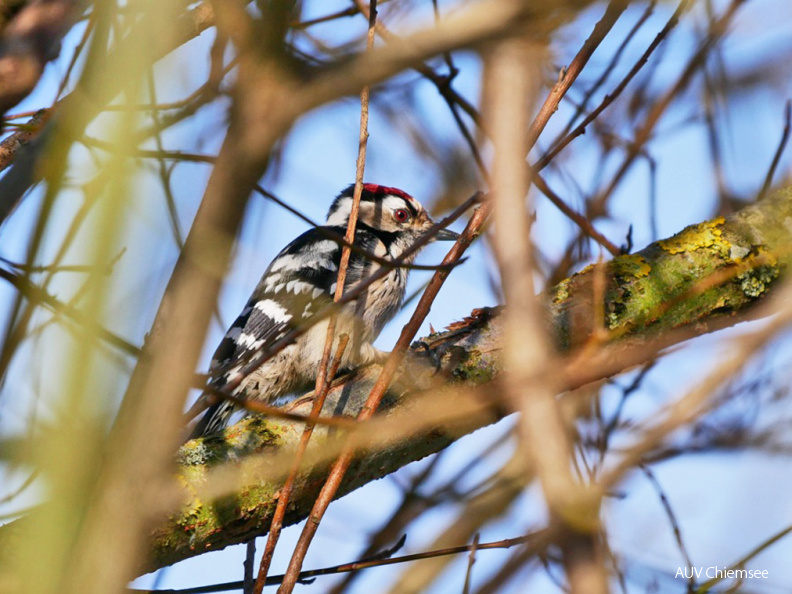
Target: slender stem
375	396
323	379
285	493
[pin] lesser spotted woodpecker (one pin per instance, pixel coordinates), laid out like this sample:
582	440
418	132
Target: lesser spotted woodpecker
300	281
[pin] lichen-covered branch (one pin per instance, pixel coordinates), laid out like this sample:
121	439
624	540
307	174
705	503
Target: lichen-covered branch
717	269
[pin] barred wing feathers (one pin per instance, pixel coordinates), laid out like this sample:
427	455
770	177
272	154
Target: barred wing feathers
299	282
296	285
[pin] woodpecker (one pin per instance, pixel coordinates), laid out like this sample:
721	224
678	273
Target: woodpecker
300	282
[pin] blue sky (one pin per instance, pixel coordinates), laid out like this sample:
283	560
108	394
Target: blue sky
722	512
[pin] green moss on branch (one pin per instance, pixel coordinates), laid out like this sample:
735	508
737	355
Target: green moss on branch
713	269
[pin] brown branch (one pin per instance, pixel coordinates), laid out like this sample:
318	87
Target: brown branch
781	146
341	466
323	379
637	283
322	388
550	105
613	95
569	75
539	539
582	222
11	144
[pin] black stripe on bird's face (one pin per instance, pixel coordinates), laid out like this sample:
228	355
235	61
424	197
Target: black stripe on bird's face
372	193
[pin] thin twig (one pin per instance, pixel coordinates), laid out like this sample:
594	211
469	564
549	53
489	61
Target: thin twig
471	560
569	75
672	519
285	493
717	30
611	97
89	26
256	357
781	146
323	379
506	543
375	396
442	83
35	294
582	222
259	407
590	92
16	492
250	558
707	586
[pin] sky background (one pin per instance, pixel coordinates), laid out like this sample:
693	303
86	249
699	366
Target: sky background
725	503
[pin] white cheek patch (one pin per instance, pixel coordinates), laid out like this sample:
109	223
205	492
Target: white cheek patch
371	214
339	215
381	250
273	310
392	203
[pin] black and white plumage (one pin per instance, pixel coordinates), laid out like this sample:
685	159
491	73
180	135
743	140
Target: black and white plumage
300	281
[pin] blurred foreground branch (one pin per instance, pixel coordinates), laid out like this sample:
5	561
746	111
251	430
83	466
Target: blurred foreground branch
608	318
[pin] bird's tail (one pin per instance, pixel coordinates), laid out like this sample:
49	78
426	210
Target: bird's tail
214	419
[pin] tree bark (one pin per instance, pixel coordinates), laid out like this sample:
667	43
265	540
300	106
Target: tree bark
707	276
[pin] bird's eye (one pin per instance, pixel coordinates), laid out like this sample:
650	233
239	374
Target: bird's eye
401	215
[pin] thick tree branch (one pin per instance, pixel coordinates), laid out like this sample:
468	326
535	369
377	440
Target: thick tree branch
705	277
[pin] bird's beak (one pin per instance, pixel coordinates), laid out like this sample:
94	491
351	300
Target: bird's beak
446	235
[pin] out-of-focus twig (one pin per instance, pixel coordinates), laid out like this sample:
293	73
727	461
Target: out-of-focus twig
580	129
538	539
781	146
471	560
323	379
569	75
30	39
526	353
37	295
378	391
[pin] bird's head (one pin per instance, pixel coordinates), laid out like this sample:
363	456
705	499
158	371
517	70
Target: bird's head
386	209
